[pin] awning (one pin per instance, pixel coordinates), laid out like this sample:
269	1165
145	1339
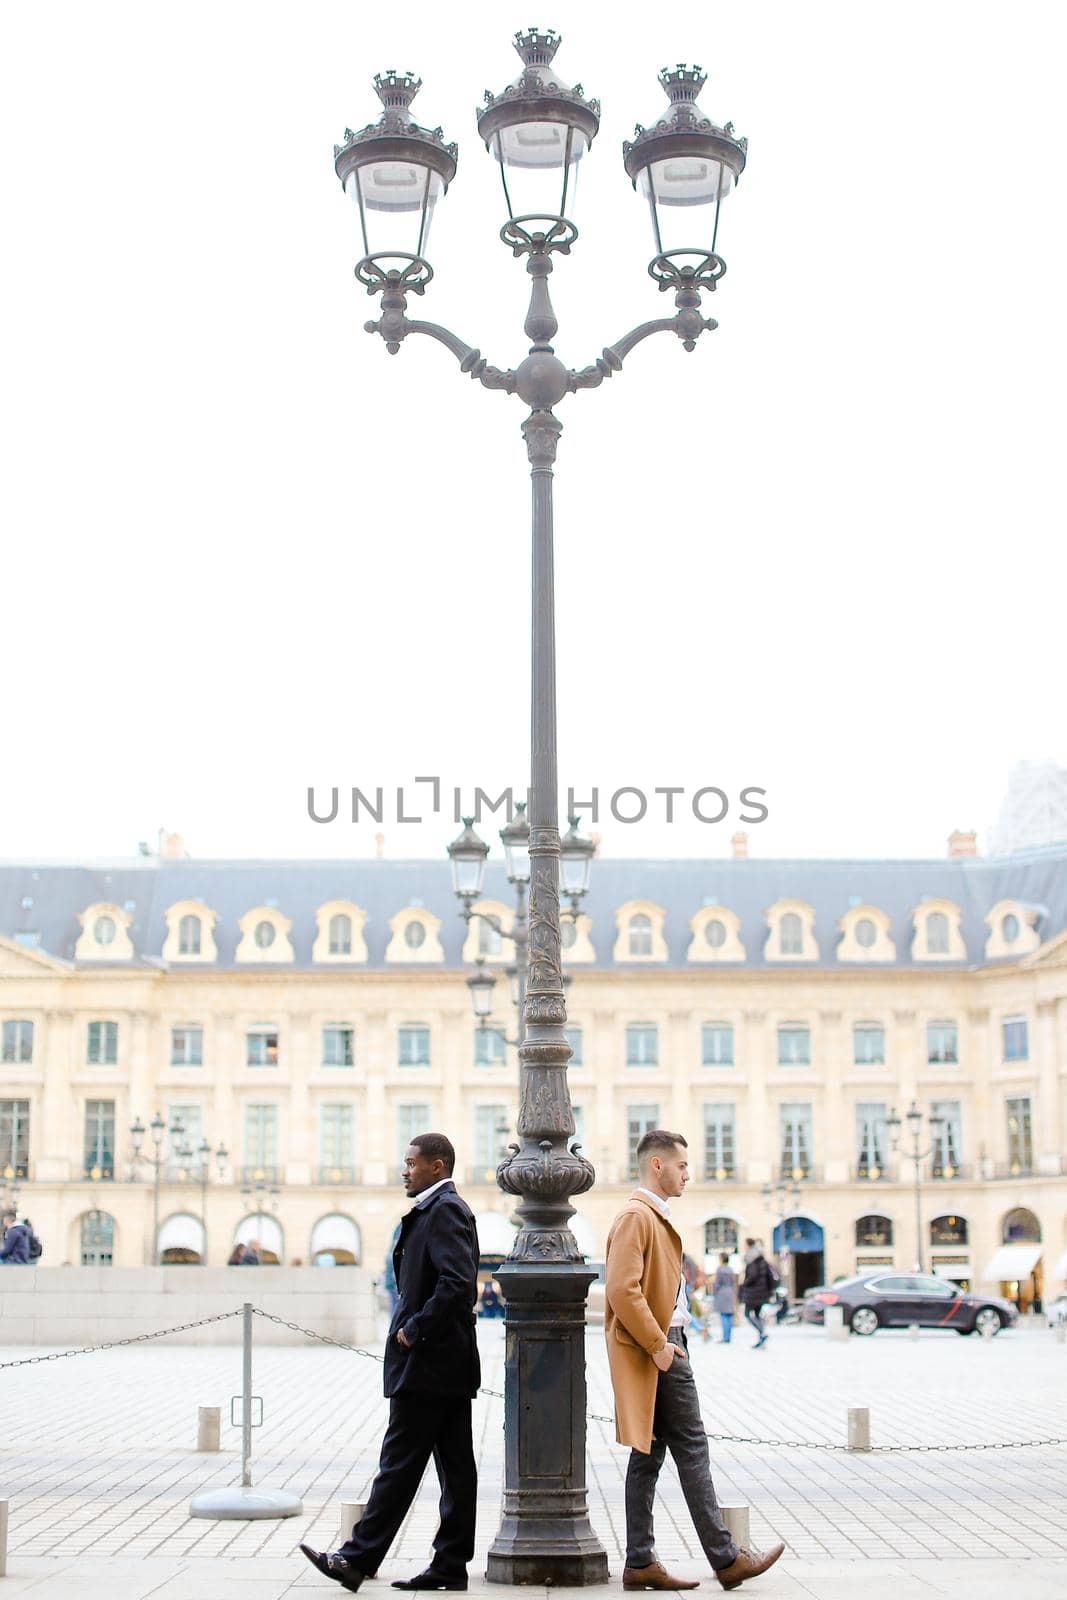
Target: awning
1012	1262
496	1234
263	1228
182	1232
335	1232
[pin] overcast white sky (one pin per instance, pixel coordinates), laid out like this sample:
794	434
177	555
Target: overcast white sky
250	551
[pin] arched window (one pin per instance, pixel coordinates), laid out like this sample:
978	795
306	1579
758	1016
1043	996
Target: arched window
189	936
414	935
263	1233
1021	1227
948	1231
335	1242
1009	928
866	933
340	939
265	934
874	1232
791	934
181	1241
640	935
97	1239
715	933
720	1233
489	940
937	934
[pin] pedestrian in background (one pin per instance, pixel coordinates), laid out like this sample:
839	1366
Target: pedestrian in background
15	1250
725	1296
758	1286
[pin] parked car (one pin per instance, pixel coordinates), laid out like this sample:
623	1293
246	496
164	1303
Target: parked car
895	1300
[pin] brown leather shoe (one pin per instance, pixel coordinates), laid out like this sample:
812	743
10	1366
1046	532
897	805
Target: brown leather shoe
656	1577
749	1564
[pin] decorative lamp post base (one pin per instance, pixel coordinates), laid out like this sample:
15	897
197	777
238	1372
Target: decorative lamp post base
545	1535
245	1505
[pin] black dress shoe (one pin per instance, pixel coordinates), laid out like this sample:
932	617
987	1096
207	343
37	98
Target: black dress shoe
431	1580
331	1565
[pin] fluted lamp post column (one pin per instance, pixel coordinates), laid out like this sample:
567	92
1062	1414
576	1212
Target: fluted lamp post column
540	131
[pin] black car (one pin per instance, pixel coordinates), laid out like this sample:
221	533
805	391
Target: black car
897	1300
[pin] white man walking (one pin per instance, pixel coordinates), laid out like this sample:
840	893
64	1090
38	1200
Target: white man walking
656	1403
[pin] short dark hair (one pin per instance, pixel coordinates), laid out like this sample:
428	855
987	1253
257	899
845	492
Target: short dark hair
435	1147
724	1258
658	1141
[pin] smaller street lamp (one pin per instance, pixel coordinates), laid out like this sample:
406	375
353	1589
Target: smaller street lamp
157	1127
914	1118
575	864
266	1193
467	854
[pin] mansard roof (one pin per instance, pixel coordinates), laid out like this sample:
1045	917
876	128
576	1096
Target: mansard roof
147	886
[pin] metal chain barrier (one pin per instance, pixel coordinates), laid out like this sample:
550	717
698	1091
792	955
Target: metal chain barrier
117	1344
497	1394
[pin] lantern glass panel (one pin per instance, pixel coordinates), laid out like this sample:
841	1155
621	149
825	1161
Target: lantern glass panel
677	185
394	202
540	164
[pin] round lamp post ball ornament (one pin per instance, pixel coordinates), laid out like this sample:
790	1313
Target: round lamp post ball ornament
540	131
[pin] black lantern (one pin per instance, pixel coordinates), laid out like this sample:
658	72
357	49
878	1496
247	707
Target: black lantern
538	129
481	985
685	165
395	172
467	854
575	863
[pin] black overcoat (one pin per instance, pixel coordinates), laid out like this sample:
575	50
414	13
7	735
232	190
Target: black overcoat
436	1266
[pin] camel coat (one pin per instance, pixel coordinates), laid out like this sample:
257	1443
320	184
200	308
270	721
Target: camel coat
644	1268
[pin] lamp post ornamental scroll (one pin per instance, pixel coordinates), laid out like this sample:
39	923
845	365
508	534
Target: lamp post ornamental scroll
539	130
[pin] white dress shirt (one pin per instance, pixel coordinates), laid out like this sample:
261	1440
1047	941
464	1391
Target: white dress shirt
680	1314
424	1195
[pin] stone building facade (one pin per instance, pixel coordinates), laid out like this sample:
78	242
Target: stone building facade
311	1016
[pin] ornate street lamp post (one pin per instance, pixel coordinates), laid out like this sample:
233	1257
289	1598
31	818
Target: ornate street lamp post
915	1122
540	131
261	1186
157	1128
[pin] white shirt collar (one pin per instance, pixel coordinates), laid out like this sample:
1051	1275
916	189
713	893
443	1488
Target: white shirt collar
656	1200
421	1199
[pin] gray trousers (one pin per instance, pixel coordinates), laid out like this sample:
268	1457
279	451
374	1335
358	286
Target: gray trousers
676	1427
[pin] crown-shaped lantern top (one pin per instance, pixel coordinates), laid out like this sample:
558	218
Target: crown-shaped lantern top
682	82
396	90
537	46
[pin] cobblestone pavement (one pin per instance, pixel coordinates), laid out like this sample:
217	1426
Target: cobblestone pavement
97	1458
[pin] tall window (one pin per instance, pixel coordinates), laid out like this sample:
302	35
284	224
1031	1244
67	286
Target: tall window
1020	1135
796	1130
1016	1039
102	1044
720	1233
489	939
937	934
411	1118
868	1044
720	1146
947	1138
337	1141
489	1048
642	1044
574	1039
15	1136
97	1240
340	935
639	1119
338	1045
942	1042
640	935
261	1046
187	1045
717	1044
794	1045
874	1232
413	1044
16	1042
190	1120
261	1139
189	936
99	1145
489	1143
791	935
872	1141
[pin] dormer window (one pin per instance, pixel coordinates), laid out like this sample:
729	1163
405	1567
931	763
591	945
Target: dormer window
105	934
265	935
414	935
640	932
791	932
1012	929
1009	928
866	933
341	935
715	933
937	934
791	935
640	939
189	936
104	930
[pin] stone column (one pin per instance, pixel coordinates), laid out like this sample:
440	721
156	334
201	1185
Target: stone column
377	1131
59	1136
1047	1112
834	1112
760	1124
302	1152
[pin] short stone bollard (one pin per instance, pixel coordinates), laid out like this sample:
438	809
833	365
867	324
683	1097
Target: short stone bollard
351	1513
913	1332
859	1428
208	1427
833	1320
3	1538
735	1516
1061	1333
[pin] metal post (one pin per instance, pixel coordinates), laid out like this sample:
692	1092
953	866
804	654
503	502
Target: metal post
545	1535
246	1395
4	1504
918	1209
735	1515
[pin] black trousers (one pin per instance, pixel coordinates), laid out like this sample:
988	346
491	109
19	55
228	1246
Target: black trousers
421	1426
676	1427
